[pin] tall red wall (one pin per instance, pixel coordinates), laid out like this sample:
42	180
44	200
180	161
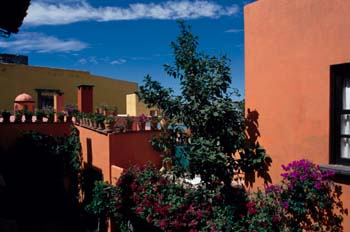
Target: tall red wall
289	47
96	145
133	148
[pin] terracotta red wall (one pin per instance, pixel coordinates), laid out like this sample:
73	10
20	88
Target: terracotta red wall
133	148
9	132
289	47
111	152
85	98
95	149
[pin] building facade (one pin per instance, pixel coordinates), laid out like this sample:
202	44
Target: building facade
42	83
297	72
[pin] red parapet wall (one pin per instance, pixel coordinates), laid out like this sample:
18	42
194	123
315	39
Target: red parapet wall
133	148
9	132
102	151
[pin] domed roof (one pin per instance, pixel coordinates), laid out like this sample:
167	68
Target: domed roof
24	98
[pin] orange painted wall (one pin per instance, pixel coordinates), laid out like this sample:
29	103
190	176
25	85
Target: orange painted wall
96	146
116	172
113	152
289	47
9	132
133	148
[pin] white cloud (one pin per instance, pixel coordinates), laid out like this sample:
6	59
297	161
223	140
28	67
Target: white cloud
82	61
55	1
93	60
90	60
118	61
37	42
71	11
233	30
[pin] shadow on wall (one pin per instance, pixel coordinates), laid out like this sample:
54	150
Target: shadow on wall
252	125
255	153
90	174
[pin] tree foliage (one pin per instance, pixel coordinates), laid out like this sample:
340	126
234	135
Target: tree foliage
216	146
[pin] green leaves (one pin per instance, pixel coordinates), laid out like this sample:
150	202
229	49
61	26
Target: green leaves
153	94
103	200
205	106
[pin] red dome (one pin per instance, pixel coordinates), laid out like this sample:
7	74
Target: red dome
24	98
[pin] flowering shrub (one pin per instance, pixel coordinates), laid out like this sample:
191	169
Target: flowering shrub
265	212
143	118
306	200
312	197
144	194
71	110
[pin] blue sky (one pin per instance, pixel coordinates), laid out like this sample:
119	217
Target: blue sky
127	39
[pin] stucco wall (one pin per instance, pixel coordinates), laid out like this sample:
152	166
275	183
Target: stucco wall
16	79
95	150
289	47
111	153
133	148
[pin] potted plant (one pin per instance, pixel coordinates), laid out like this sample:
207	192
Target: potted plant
113	111
89	119
78	118
129	123
50	114
104	109
70	111
154	123
99	118
40	114
60	116
5	116
84	119
142	122
18	116
93	121
28	115
109	123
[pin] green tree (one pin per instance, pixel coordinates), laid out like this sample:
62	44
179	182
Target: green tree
216	148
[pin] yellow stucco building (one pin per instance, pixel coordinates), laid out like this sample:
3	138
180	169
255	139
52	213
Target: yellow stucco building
43	82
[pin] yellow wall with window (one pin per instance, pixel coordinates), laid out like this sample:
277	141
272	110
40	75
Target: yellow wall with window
136	108
16	79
